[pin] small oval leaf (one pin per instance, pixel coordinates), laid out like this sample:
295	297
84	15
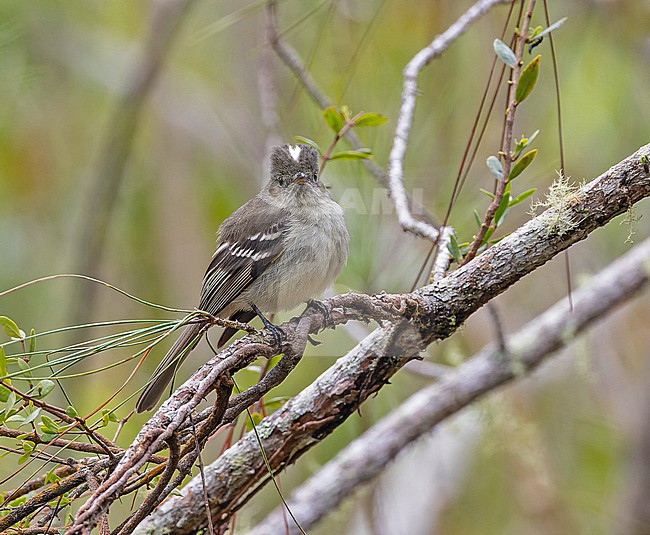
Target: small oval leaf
495	167
24	367
44	387
351	155
522	196
522	163
501	212
3	362
31	416
333	119
10	328
48	425
527	80
454	249
505	53
486	192
370	119
32	341
307	141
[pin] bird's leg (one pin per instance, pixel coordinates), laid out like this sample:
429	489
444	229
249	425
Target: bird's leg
277	331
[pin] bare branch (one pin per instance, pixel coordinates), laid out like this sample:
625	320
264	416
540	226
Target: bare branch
407	109
443	256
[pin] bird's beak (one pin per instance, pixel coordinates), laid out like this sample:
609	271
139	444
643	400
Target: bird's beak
300	178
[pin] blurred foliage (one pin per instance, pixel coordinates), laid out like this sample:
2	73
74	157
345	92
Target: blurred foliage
549	455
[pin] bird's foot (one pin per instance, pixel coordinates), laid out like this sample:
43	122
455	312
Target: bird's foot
278	333
319	305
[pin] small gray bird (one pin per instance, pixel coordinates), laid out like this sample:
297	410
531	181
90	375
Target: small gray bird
283	247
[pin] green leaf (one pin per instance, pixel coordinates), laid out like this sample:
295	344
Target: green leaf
71	411
110	415
18	501
505	53
370	119
31	416
11	401
307	141
502	210
527	80
44	387
551	28
351	155
454	249
333	118
24	367
495	167
4	392
48	425
24	457
51	477
488	193
521	165
477	218
10	328
3	362
522	196
47	437
32	341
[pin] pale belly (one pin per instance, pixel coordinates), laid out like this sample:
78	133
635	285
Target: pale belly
317	256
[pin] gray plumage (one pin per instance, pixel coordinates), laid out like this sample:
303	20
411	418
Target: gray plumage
283	247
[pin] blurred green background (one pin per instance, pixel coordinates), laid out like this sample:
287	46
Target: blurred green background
558	452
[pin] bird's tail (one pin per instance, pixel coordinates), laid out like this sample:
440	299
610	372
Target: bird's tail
167	368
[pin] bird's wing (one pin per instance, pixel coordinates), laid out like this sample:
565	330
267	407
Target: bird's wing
243	253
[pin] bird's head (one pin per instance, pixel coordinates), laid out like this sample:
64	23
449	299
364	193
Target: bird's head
294	165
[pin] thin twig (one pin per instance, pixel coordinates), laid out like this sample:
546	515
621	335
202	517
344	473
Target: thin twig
206	498
152	498
443	257
506	144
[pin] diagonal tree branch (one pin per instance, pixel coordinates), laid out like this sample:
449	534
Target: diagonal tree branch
528	348
431	313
